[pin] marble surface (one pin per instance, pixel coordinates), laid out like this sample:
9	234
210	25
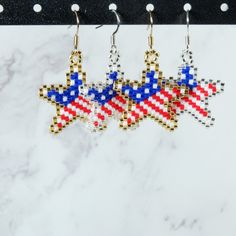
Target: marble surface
145	182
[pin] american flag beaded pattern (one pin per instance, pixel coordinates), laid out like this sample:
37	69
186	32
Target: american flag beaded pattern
196	101
106	102
151	97
130	102
94	104
70	102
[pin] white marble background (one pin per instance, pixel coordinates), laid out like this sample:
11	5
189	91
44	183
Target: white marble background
146	182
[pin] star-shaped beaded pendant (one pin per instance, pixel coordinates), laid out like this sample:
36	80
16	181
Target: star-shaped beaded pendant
69	100
151	97
195	102
106	102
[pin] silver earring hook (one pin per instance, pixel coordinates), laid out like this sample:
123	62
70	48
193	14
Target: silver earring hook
150	37
113	41
188	35
76	37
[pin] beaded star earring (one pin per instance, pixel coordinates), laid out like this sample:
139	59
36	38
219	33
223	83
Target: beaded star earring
106	101
69	100
196	100
152	97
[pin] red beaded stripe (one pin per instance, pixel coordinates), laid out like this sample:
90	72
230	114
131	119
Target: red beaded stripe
113	103
77	105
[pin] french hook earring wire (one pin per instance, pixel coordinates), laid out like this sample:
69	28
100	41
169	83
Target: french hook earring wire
150	37
76	37
188	35
187	54
113	38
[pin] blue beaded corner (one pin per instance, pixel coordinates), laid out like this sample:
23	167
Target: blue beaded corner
145	91
107	93
113	75
189	79
69	94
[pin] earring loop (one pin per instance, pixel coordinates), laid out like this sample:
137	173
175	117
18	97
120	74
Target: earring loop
113	42
151	55
188	36
76	37
69	98
150	37
197	92
114	54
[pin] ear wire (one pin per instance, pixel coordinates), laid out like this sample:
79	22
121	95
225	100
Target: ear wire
76	36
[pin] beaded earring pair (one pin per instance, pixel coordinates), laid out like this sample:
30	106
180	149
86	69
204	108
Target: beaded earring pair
130	102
